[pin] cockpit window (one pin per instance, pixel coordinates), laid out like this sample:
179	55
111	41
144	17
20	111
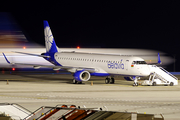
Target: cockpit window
138	62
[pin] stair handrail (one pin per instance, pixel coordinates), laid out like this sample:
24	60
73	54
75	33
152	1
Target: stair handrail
47	112
162	78
33	113
168	73
24	109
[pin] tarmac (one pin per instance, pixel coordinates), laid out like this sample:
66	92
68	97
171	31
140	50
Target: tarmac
35	90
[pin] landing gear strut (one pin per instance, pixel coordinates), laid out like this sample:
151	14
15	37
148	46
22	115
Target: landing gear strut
109	80
135	81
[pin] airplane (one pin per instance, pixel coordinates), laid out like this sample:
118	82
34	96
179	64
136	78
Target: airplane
150	56
84	65
13	39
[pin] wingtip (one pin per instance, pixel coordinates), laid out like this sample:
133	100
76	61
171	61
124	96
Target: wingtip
159	60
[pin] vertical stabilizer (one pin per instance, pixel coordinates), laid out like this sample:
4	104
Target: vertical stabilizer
49	39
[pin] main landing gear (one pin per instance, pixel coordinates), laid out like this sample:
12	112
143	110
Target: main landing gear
109	80
76	82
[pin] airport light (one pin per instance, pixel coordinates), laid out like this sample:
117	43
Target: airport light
78	47
24	47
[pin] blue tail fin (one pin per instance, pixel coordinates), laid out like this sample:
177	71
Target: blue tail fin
49	39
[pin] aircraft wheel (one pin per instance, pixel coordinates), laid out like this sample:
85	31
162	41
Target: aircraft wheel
107	80
135	84
74	81
171	84
154	83
112	81
79	82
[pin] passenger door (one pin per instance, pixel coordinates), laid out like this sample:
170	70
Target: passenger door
127	65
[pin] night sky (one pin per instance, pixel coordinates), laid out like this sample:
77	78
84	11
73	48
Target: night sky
105	24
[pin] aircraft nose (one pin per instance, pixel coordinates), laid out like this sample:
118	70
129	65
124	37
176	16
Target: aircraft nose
145	71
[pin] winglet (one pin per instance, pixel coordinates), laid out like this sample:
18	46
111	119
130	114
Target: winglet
159	60
6	58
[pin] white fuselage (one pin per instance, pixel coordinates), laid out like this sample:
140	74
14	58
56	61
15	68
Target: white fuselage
112	64
21	58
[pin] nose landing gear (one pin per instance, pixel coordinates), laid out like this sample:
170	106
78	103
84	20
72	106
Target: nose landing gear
135	84
135	81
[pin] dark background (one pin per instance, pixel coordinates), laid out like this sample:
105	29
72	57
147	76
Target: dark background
107	24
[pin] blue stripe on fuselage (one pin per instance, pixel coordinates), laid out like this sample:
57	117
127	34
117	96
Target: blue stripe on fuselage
100	74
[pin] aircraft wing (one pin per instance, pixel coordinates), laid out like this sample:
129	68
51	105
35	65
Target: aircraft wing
37	66
31	54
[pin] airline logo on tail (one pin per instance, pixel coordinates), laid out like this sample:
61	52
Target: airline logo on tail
49	39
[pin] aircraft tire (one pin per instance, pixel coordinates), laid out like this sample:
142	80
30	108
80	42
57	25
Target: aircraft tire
112	81
135	84
79	82
107	80
74	81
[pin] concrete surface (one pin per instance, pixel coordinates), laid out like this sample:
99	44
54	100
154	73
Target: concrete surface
34	91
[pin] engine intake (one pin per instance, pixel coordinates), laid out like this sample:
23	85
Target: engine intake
82	75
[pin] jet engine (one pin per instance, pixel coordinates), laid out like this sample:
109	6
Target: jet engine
131	78
82	75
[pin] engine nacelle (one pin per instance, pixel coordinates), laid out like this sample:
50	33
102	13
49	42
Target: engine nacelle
128	78
131	78
82	75
37	67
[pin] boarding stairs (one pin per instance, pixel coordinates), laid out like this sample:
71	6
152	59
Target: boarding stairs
159	76
45	112
59	113
15	111
65	112
36	114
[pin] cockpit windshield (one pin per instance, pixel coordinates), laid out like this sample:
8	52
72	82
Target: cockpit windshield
138	62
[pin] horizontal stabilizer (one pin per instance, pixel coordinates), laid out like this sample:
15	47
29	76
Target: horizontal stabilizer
32	54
